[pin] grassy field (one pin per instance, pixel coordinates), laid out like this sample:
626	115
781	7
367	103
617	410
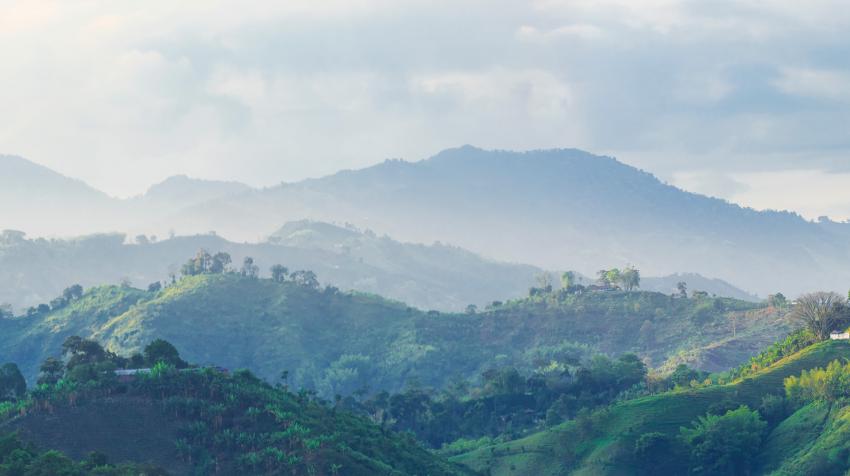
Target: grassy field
562	450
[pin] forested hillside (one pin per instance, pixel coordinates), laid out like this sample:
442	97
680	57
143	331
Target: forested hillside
187	420
786	426
339	342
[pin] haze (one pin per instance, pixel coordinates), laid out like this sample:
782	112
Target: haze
723	98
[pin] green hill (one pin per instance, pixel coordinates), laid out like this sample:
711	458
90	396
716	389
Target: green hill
604	444
339	342
205	421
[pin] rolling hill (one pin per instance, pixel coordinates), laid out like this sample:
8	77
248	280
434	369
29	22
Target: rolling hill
442	277
608	450
205	421
338	342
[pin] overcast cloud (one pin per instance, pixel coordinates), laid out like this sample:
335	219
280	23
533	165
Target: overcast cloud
731	98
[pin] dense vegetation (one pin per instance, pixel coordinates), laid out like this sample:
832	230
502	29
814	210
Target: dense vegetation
743	427
340	342
19	458
218	422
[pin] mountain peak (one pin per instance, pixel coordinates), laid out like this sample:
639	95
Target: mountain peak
182	189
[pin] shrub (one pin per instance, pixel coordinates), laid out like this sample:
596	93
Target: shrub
725	444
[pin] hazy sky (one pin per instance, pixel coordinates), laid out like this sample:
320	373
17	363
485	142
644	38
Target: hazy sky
745	100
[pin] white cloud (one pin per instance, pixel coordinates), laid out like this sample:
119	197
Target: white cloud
125	93
538	93
576	31
823	84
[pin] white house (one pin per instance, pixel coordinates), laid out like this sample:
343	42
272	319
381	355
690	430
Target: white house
835	335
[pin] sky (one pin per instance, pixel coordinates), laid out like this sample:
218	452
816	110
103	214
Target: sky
744	100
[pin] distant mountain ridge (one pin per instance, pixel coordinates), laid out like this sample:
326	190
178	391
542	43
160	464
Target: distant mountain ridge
34	271
556	209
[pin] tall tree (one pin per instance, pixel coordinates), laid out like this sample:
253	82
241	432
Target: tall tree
682	287
51	371
629	278
249	269
219	262
821	312
279	273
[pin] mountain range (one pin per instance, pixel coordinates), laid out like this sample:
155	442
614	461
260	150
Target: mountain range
554	209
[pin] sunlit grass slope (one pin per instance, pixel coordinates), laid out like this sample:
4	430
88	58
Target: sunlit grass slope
562	450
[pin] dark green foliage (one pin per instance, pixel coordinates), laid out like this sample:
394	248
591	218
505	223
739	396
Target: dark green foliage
683	375
162	351
205	263
72	293
268	326
506	403
231	424
774	409
656	453
12	383
727	444
51	371
20	459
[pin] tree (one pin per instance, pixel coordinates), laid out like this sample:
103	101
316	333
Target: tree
154	287
471	309
629	278
249	269
602	278
6	311
163	351
683	375
682	287
219	262
544	282
50	371
142	240
12	383
200	264
699	294
305	278
820	312
777	300
568	279
72	293
725	445
82	351
279	273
